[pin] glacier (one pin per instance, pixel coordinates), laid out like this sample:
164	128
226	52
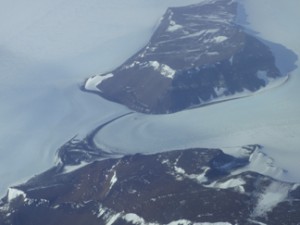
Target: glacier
48	48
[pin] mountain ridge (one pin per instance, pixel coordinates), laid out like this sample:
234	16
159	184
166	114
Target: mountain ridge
193	186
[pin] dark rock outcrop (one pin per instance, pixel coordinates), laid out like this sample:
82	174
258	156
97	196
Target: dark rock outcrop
178	187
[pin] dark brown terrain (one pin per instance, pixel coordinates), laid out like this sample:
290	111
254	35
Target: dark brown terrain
195	185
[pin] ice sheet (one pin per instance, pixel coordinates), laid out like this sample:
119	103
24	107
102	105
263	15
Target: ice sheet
48	48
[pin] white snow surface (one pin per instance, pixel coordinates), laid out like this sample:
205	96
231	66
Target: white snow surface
262	74
48	48
137	220
258	162
220	91
257	222
133	218
199	178
270	118
219	39
212	53
92	82
113	219
231	183
14	193
71	168
273	195
113	180
164	69
187	222
173	26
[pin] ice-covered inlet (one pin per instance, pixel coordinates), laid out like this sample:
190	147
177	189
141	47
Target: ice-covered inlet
48	48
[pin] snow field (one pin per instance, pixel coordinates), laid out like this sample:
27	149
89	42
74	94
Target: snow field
48	48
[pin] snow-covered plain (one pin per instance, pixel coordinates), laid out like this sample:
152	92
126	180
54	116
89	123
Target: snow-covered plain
47	49
270	118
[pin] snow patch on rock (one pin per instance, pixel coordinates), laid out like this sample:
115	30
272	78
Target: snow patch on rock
173	26
257	222
199	178
92	83
212	53
220	90
263	164
164	69
135	219
231	183
14	193
71	168
219	39
263	75
113	219
187	222
272	196
135	63
110	217
113	180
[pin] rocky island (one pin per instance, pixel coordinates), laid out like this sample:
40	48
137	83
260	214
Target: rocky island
198	54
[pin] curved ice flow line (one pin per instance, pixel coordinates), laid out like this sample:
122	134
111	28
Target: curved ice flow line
142	128
269	118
